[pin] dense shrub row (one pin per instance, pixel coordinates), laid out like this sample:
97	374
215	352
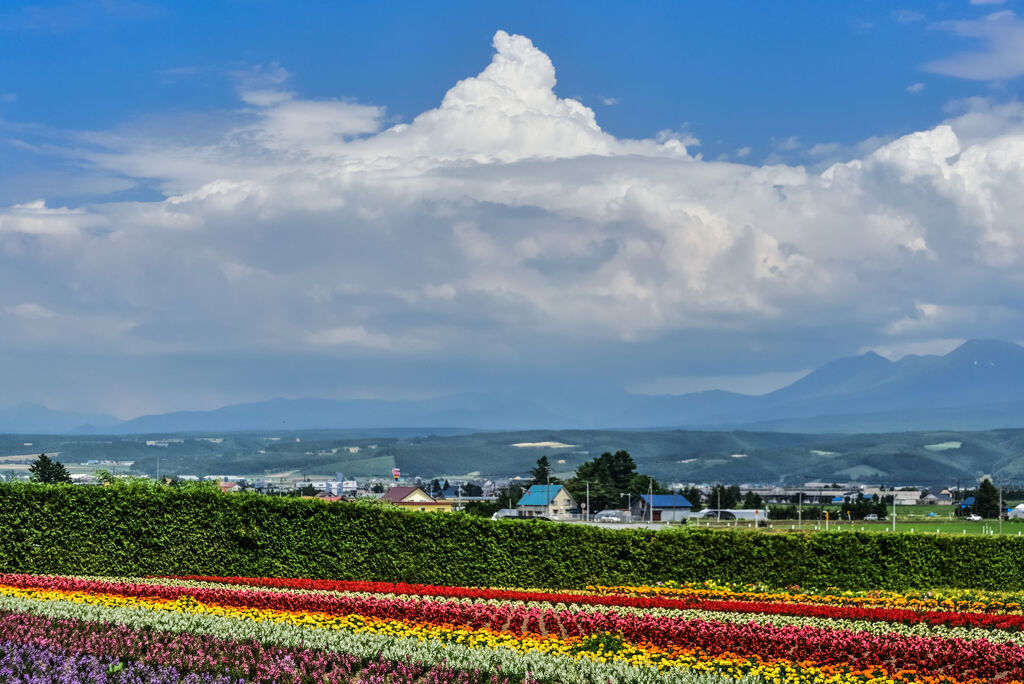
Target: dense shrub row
64	529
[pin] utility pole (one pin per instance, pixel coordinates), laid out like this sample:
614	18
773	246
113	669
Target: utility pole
800	510
547	508
1000	510
650	500
894	509
719	503
587	512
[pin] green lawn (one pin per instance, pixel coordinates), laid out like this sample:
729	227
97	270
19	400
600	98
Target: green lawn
908	519
961	527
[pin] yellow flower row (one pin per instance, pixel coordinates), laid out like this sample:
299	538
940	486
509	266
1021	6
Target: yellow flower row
578	648
875	599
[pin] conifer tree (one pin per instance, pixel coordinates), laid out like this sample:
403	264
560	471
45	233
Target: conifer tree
986	501
47	471
542	473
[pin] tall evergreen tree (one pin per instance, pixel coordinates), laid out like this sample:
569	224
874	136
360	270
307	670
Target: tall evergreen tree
542	472
48	471
986	501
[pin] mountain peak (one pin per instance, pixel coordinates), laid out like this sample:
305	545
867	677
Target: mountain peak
987	352
842	375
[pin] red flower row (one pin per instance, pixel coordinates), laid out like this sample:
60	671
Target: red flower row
901	615
954	657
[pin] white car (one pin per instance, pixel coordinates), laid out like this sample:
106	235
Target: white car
974	517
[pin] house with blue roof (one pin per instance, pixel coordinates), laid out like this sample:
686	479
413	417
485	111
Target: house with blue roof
661	508
549	501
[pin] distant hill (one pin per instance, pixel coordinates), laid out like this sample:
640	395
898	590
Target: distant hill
27	418
977	386
481	411
927	458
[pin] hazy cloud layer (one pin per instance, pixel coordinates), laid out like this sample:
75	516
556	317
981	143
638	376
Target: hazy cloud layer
503	227
1002	40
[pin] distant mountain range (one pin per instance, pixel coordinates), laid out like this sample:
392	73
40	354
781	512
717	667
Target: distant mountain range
979	385
28	418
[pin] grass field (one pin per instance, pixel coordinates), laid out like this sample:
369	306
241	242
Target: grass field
909	519
920	526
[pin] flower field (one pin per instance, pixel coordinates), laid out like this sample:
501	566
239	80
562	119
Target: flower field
236	629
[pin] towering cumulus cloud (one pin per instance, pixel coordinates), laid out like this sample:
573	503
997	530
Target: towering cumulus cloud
503	220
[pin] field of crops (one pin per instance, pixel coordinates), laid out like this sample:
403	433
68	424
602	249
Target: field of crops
231	629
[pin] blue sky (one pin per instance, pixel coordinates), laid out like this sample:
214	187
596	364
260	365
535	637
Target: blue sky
737	73
713	194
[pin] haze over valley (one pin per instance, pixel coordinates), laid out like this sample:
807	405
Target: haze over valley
978	385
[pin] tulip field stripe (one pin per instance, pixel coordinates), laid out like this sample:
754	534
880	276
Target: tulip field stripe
25	663
712	640
781	604
593	666
957	600
712	637
873	627
822	646
517	666
247	660
953	600
642	654
339	604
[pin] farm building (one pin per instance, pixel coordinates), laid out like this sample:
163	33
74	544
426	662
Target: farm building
661	508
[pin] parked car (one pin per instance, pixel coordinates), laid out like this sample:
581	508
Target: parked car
974	517
871	517
612	516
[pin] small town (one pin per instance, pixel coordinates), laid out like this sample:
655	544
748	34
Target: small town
538	497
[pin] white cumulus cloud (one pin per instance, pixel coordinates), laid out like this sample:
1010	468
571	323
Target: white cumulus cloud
506	222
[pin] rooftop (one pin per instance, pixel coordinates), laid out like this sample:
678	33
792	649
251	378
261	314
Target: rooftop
666	501
539	495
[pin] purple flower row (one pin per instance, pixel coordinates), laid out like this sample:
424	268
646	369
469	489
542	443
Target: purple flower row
34	665
90	644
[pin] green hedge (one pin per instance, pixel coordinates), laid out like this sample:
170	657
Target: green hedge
119	531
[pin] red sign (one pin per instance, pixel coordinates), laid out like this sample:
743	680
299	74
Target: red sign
395	472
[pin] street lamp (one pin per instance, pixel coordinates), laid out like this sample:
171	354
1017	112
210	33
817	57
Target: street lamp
629	504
